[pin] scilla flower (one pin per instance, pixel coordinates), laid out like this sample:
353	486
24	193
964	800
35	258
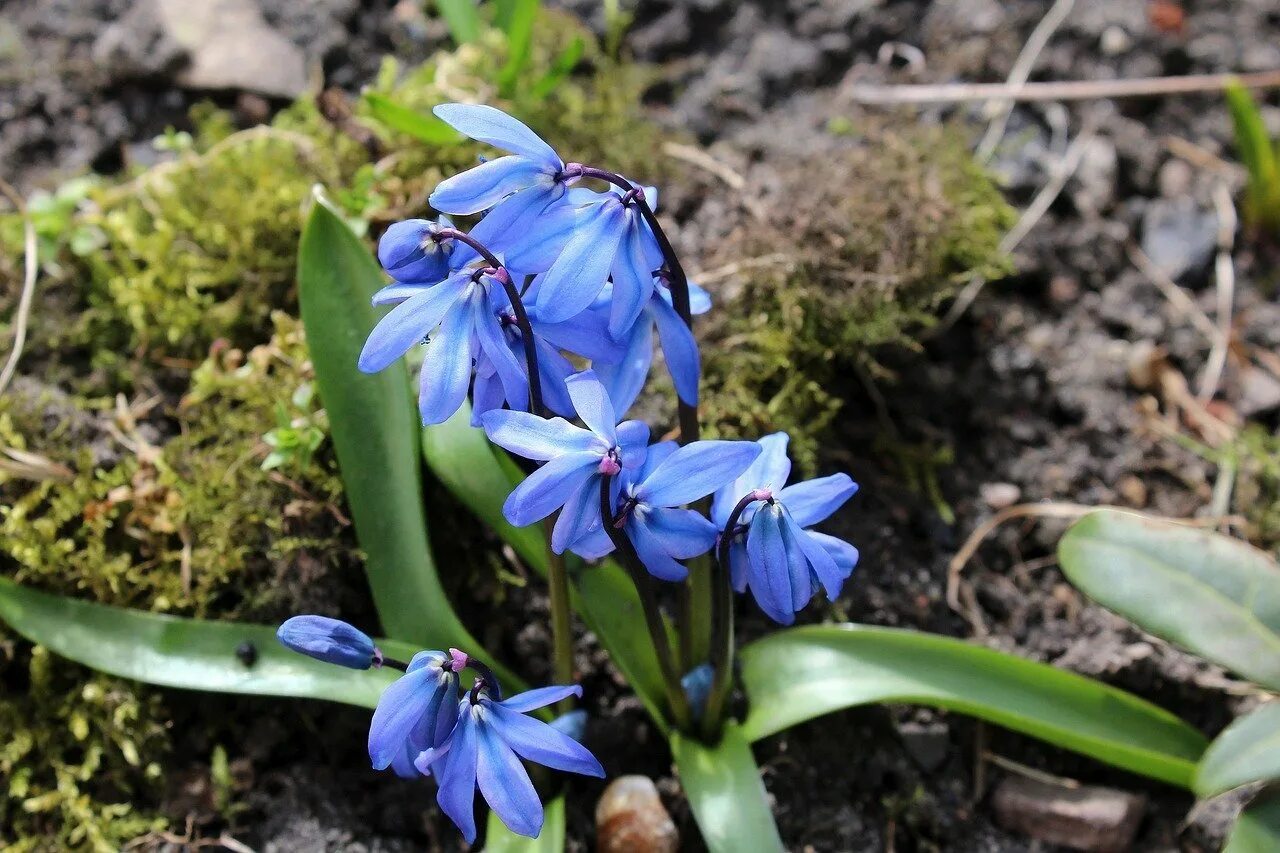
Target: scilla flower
409	252
484	751
770	551
329	640
417	712
575	459
672	476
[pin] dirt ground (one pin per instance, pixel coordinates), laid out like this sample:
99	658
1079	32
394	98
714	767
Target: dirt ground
1032	390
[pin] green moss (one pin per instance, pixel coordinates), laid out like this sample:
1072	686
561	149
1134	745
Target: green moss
1256	457
859	250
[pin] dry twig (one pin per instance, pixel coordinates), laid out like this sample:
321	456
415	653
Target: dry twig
1225	278
1183	305
31	267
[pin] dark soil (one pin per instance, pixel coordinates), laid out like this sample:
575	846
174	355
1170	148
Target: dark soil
1031	390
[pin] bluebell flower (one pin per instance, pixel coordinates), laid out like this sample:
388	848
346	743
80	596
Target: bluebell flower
610	239
458	321
484	751
651	498
521	188
410	254
575	458
329	640
696	684
625	376
416	713
771	552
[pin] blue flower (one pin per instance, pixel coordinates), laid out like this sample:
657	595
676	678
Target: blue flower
672	476
462	312
625	376
610	239
416	713
521	188
771	552
410	254
484	751
575	459
329	640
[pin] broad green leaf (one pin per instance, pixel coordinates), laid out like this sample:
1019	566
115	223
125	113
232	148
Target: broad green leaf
519	29
800	673
499	839
1258	829
463	19
1247	751
468	465
502	12
422	126
375	430
562	67
722	784
187	653
1209	594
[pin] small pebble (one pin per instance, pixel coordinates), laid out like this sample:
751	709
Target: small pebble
630	818
1133	490
1000	495
1090	818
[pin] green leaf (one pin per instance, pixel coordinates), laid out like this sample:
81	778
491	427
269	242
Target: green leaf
562	67
187	653
1258	829
1255	150
722	784
1212	595
469	467
1247	751
421	126
519	29
801	673
463	19
499	839
375	432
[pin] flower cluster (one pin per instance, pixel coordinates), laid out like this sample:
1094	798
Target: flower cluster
428	724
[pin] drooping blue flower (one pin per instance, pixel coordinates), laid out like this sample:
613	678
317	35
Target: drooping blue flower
625	376
575	458
771	552
416	713
652	496
329	640
410	254
458	322
484	751
609	239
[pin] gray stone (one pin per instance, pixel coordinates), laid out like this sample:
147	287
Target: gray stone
1095	178
630	818
1090	818
928	744
1178	235
213	45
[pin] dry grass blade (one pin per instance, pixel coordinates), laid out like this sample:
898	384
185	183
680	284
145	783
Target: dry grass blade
31	267
1225	279
32	466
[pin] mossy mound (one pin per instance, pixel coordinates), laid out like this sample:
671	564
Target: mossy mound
860	248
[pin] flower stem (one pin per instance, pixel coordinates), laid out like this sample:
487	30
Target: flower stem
676	699
561	617
722	625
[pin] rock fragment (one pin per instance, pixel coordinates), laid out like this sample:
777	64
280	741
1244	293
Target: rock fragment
630	818
1088	818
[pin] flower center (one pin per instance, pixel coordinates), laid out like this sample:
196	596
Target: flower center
609	463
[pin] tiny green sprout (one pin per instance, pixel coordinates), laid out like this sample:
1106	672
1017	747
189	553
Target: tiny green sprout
1261	157
296	437
174	141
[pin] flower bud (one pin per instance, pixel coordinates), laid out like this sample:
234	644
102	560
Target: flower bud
329	640
408	252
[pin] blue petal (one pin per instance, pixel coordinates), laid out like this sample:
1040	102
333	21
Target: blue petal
580	272
680	350
537	438
658	453
770	470
542	744
505	785
547	489
585	334
633	443
458	775
845	555
684	533
408	323
814	500
821	562
594	545
483	186
555	370
446	369
699	299
649	549
540	697
515	220
739	565
486	394
769	573
329	640
401	707
571	724
407	251
494	127
399	292
581	514
696	470
591	402
493	343
632	278
537	232
625	379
